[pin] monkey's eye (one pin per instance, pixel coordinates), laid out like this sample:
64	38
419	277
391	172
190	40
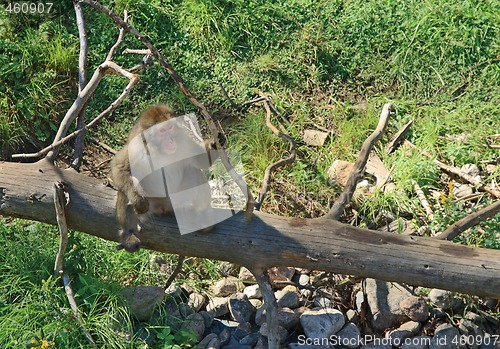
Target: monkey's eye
166	129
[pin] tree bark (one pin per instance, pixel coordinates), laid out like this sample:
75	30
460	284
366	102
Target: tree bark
320	244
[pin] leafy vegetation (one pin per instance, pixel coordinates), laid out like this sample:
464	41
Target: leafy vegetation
327	63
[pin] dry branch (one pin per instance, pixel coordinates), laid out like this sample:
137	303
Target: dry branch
59	203
359	166
271	168
107	65
318	244
82	81
469	221
423	200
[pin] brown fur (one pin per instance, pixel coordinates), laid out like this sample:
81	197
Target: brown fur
130	203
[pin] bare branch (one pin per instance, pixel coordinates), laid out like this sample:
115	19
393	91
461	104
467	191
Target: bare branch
357	171
183	87
271	168
469	221
82	81
398	137
423	200
60	192
91	86
451	169
176	272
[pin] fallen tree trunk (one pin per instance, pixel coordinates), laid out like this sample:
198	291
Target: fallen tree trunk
320	244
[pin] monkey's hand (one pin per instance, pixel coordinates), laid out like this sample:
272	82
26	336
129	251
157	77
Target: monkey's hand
222	140
141	205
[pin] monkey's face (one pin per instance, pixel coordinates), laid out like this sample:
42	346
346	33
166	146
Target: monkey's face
166	136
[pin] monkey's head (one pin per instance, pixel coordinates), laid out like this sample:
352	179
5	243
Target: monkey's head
164	131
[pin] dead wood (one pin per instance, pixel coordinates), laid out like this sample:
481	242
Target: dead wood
469	221
359	166
319	244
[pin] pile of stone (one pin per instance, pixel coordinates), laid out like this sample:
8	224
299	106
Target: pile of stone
377	314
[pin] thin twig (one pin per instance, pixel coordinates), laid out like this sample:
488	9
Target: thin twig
183	87
469	221
423	200
103	145
82	81
271	168
60	202
175	272
357	171
133	80
451	169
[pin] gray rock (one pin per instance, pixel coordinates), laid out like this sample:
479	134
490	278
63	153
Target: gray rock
306	346
242	330
314	137
322	302
352	316
142	300
236	346
415	308
418	342
282	332
288	297
441	298
196	324
257	303
253	292
261	343
397	337
240	307
173	291
214	344
445	337
228	268
349	336
461	190
185	310
383	300
246	276
287	318
208	317
322	323
196	301
412	326
224	336
206	341
303	279
280	276
471	332
251	339
438	312
226	286
174	318
360	301
218	306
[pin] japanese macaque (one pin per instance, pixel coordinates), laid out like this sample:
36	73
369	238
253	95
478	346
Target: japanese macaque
161	168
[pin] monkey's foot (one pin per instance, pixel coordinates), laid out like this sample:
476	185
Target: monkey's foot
141	205
129	241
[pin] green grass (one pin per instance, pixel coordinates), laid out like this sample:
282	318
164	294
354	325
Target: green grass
327	63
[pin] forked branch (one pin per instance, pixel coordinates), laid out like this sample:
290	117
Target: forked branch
359	166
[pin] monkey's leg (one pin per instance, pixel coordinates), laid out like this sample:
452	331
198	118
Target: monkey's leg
129	223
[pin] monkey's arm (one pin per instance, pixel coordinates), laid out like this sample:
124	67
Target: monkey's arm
122	179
